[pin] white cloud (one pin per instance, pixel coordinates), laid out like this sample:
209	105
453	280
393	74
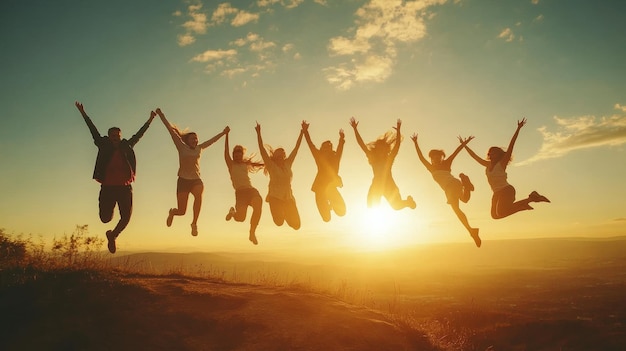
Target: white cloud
185	39
381	25
507	35
242	18
177	13
620	107
261	45
214	55
285	3
579	133
198	22
222	11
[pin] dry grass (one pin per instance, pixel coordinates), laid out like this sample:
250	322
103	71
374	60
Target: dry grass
71	295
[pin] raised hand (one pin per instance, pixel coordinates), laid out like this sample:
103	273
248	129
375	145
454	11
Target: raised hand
257	128
398	124
341	134
80	107
353	122
521	123
226	130
414	137
305	126
159	112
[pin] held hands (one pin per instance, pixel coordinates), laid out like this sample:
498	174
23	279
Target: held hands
226	130
465	141
305	126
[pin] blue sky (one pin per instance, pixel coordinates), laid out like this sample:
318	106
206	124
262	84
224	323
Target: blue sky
446	68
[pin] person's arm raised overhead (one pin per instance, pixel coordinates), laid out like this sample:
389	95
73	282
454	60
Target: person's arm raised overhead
420	155
354	124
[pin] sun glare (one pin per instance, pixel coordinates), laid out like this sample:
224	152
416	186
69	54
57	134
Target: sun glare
379	228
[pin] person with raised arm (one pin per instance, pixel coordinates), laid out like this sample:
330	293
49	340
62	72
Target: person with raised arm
189	181
455	189
327	180
115	170
239	168
381	154
503	202
280	195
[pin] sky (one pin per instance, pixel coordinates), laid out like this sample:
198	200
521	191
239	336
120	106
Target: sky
445	68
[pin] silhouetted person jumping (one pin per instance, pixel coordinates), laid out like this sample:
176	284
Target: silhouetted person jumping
189	181
456	190
380	154
503	202
115	170
239	169
327	180
279	194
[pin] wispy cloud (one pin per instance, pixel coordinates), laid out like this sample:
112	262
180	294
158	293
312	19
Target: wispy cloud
507	35
380	27
579	133
285	3
214	55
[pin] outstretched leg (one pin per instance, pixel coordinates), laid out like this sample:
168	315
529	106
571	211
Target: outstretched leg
463	218
197	191
257	205
503	203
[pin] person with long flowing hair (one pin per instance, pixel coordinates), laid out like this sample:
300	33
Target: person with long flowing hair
455	189
239	168
189	181
381	154
503	202
280	195
327	180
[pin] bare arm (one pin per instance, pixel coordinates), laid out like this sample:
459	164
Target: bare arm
458	149
342	141
307	137
215	138
175	137
227	158
509	150
259	139
396	146
476	157
354	124
420	155
294	152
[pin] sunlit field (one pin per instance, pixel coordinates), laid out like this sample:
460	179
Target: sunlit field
560	294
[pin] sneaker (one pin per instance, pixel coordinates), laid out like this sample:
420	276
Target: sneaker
194	229
536	197
230	214
411	202
466	182
170	217
111	243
